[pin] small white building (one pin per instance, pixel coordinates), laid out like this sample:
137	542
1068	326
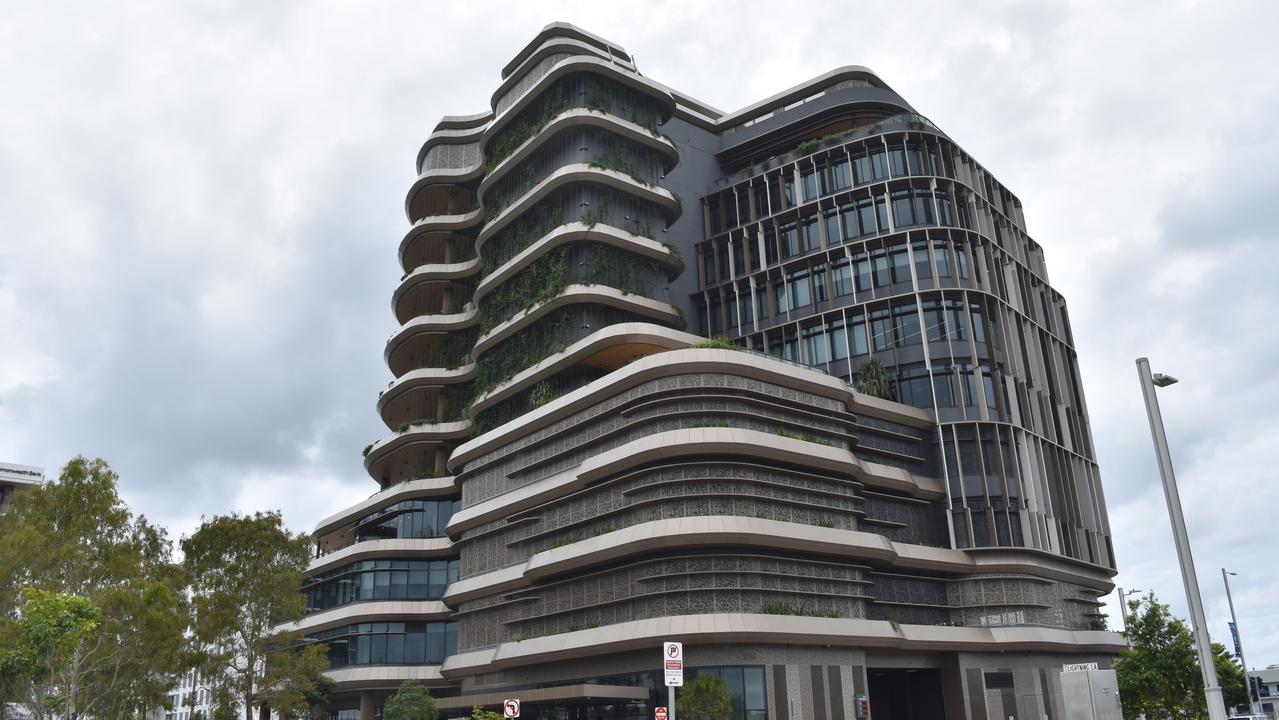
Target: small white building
15	477
1268	681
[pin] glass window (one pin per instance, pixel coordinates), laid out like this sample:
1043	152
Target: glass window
809	179
956	321
879	260
743	205
780	297
897	160
942	258
838	336
833	227
840	175
818	273
731	308
865	219
811	235
717	222
788	186
842	277
906	325
943	209
903	210
961	262
979	328
800	289
774	194
770	245
861	271
878	168
861	169
881	330
857	336
816	349
881	212
934	321
923	268
789	236
914	160
739	256
924	208
761	199
944	387
708	264
899	260
730	208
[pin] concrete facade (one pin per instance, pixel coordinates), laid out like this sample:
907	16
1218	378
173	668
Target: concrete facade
573	476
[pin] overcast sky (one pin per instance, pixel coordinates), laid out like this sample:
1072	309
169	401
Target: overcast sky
201	204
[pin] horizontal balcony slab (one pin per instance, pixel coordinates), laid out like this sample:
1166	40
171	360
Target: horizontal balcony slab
413	548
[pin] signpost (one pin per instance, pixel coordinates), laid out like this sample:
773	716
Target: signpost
673	665
511	708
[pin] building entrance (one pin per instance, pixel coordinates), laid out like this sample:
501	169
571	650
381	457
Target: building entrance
905	694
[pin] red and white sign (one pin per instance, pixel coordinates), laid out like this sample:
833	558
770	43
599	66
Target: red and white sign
659	713
511	708
673	663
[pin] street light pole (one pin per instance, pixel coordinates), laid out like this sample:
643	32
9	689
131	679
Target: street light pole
1212	690
1123	616
1247	684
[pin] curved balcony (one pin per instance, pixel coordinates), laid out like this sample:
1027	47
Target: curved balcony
579	64
578	117
419	450
432	196
439	223
454	130
425	341
679	357
551	42
573	294
579	173
436	487
439	247
371	611
575	232
434	290
426	403
420	548
384	677
734	628
693	443
761	534
422	378
608	348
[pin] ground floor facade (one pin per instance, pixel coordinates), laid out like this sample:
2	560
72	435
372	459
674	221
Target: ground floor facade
771	682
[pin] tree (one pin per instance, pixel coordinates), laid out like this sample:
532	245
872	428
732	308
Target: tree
705	697
410	702
872	379
48	632
1159	675
1229	676
76	537
245	577
479	713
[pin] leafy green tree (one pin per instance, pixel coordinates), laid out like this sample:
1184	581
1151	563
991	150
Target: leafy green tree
1159	675
245	576
873	380
47	634
76	537
410	702
705	697
479	713
1229	676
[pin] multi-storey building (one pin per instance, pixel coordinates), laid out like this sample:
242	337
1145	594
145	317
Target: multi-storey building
14	478
574	476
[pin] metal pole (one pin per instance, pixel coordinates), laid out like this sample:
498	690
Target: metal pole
1212	691
1123	616
1247	684
670	709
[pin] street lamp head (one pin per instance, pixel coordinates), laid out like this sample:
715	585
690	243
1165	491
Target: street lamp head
1162	380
